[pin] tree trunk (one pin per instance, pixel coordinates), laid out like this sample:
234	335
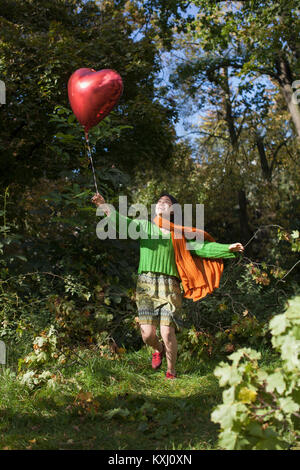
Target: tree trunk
243	214
241	194
285	80
266	170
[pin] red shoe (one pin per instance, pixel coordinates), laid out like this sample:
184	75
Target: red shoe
157	358
170	376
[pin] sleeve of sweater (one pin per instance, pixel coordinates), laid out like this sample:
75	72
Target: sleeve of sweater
211	249
126	226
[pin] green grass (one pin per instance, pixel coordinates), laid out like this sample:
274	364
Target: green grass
151	412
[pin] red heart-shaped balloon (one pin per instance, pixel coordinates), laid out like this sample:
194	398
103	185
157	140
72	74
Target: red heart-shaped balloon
93	95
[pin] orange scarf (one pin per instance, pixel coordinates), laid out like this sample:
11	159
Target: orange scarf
199	276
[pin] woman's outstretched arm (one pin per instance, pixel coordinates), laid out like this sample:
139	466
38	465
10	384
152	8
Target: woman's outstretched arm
214	249
138	225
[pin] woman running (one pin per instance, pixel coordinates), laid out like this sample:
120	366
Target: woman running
165	263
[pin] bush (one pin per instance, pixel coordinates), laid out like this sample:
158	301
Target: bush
260	409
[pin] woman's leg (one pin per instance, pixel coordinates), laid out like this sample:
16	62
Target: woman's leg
169	338
149	337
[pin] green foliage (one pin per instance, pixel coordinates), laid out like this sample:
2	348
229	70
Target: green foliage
260	409
70	139
37	362
63	37
76	413
57	273
293	238
256	32
60	287
53	269
218	341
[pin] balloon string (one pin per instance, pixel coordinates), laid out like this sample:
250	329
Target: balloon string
91	159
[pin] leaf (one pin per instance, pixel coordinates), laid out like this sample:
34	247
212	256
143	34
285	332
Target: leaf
84	193
40	341
270	441
250	353
87	295
278	324
42	356
228	439
288	405
246	395
229	395
275	382
21	257
224	415
123	412
262	375
296	332
295	234
293	311
290	351
227	374
255	429
84	396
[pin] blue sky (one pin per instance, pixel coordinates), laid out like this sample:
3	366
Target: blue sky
164	75
193	119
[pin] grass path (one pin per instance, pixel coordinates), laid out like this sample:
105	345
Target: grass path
114	405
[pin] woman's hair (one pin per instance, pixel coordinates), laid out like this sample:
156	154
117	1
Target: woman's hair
173	200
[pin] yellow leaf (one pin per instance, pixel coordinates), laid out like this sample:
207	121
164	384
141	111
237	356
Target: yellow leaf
246	395
84	396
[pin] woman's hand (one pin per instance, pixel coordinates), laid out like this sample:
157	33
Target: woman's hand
98	200
236	247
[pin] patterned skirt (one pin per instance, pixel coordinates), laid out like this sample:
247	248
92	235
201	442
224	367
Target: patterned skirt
159	299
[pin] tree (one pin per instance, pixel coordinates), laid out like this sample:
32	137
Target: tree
263	34
41	45
225	57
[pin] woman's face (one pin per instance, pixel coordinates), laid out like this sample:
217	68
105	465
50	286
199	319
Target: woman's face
163	205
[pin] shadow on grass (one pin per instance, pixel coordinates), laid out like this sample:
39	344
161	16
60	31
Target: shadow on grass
118	405
141	421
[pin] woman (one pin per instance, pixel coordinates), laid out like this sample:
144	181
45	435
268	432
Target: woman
164	264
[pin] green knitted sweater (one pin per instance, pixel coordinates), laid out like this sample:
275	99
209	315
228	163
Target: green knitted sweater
157	254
